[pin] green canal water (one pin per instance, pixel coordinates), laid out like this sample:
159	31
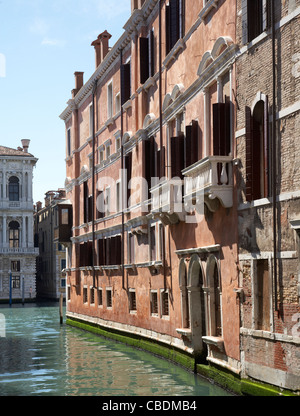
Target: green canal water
40	357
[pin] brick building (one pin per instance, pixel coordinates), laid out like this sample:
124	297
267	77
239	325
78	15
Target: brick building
268	88
161	238
51	262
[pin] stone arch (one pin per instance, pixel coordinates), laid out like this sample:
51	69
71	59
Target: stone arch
197	302
177	91
206	60
222	43
148	120
167	101
126	137
185	309
214	285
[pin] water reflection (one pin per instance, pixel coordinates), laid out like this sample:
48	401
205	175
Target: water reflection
38	356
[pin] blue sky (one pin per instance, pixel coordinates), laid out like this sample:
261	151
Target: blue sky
42	44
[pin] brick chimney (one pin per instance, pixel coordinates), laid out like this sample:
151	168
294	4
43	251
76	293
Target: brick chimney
136	4
101	45
78	82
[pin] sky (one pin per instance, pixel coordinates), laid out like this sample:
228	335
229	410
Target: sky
42	44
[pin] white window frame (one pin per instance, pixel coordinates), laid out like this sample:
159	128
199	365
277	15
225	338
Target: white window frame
109	289
163	316
131	310
118	103
152	292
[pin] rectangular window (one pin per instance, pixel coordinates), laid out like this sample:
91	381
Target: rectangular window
65	216
69	142
152	244
63	264
118	103
125	82
15	266
107	201
69	293
63	283
154	303
147	57
84	295
262	295
118	196
15	282
100	297
256	18
109	298
110	100
91	119
165	303
130	248
132	300
92	296
175	23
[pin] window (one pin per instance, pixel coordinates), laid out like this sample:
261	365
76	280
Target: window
92	295
256	18
107	148
118	103
214	284
14	234
69	293
130	248
118	196
110	100
13	189
257	151
153	303
85	295
91	119
125	82
69	142
110	251
165	303
107	201
15	265
63	264
221	128
65	216
147	57
15	282
108	298
63	282
132	300
152	244
100	297
262	295
175	23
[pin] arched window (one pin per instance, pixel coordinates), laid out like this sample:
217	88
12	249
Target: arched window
14	234
13	188
215	291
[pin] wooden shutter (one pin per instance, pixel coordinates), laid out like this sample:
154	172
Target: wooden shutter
266	148
221	129
249	154
125	83
168	30
85	202
118	246
90	208
191	144
144	60
148	161
101	252
174	22
151	54
160	163
108	253
128	167
177	156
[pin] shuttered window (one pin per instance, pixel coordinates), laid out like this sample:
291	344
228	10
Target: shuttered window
191	145
221	129
146	57
109	251
256	18
125	82
175	22
86	254
257	151
128	170
177	156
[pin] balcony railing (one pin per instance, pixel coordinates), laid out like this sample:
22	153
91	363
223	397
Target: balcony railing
167	202
19	250
210	179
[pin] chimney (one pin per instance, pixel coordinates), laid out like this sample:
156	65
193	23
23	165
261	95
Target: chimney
25	144
38	206
78	83
101	45
136	4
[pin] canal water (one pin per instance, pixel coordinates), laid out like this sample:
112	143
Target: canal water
40	357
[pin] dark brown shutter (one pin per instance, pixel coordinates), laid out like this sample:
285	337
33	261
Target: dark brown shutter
125	83
151	53
90	208
108	254
255	18
174	22
85	202
191	144
128	168
249	154
144	60
266	148
177	156
118	249
101	252
221	128
168	30
149	161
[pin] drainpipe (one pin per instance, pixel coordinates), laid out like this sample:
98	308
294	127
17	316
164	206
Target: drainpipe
162	161
122	175
274	154
93	183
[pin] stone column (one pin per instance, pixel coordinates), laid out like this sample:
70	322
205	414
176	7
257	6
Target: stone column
4	228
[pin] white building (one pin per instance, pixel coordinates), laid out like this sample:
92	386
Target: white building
17	251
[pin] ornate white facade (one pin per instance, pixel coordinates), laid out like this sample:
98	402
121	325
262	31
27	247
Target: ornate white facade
17	251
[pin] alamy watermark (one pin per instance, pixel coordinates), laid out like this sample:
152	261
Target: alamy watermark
2	65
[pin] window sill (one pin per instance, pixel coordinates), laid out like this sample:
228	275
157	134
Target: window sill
109	122
179	45
215	341
127	105
207	8
149	83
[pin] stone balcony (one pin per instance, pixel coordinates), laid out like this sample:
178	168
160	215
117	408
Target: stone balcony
167	202
209	180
